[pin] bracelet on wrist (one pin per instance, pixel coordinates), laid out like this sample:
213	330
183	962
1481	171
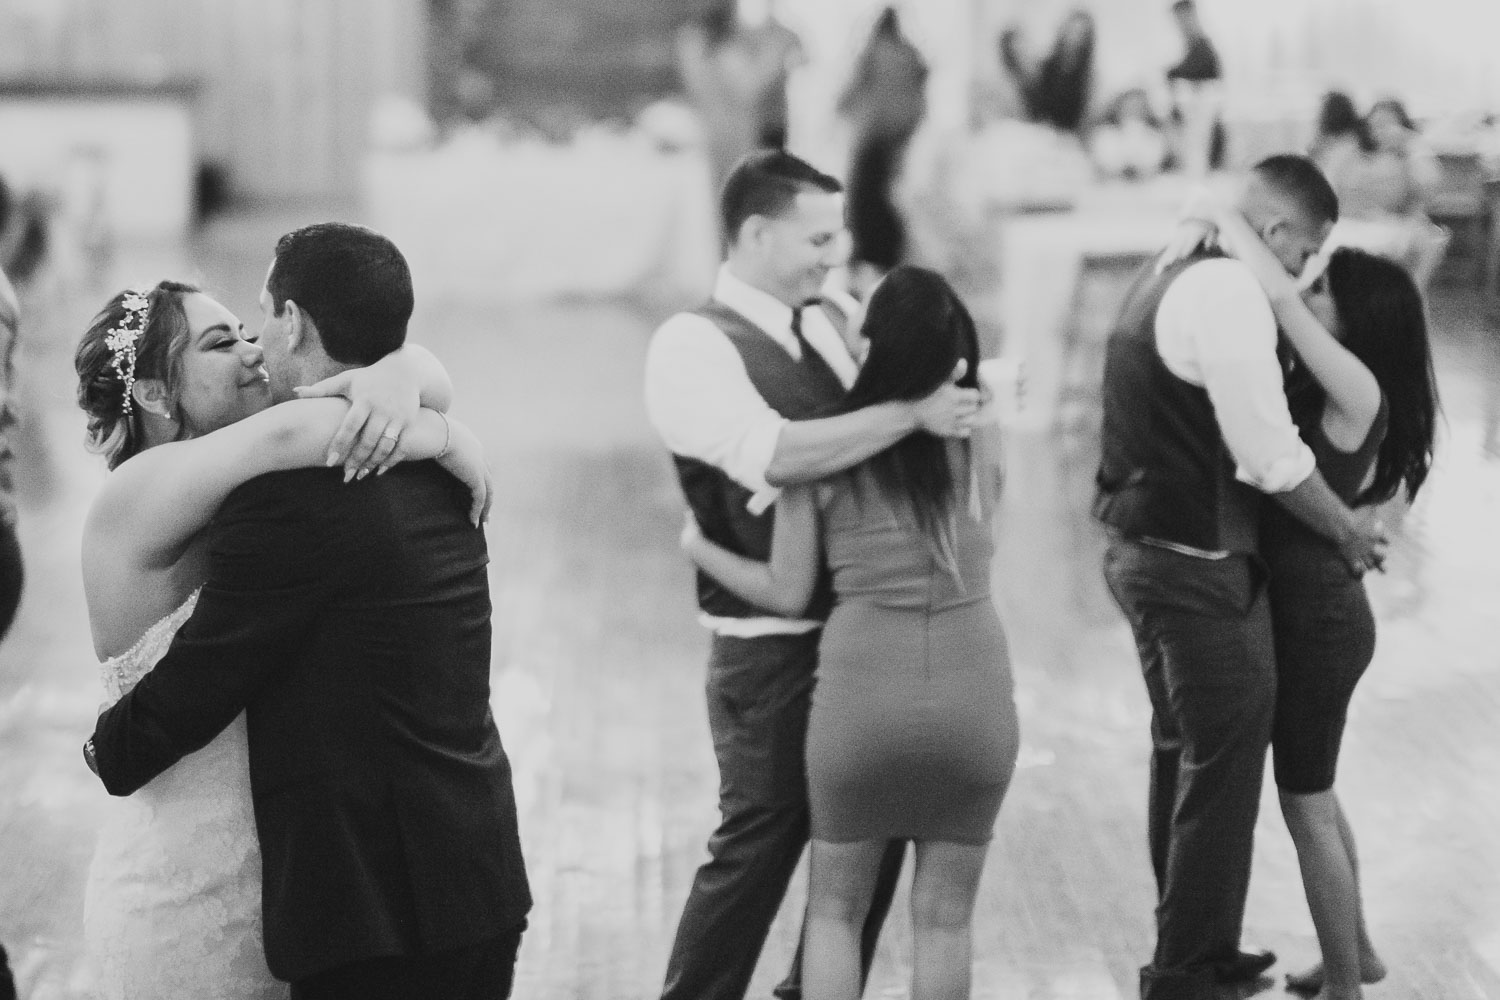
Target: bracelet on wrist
447	434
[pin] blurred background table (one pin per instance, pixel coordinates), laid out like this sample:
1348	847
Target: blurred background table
1043	257
606	215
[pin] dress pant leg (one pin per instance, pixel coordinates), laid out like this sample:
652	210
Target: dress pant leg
759	697
1204	633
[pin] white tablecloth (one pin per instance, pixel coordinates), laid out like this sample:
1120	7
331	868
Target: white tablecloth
1040	255
606	215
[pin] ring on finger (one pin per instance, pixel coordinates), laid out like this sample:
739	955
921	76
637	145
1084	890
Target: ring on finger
392	435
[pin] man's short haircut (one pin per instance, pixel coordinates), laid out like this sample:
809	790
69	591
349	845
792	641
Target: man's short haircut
766	183
1298	179
352	282
1182	5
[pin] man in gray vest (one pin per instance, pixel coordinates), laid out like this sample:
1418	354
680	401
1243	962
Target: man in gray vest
734	388
1196	433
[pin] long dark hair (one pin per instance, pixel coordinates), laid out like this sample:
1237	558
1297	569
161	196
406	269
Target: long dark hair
1385	326
918	331
1066	76
1337	116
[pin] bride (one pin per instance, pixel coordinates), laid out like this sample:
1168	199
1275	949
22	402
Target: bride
179	402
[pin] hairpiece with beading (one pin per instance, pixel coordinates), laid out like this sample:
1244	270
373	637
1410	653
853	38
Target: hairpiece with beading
121	340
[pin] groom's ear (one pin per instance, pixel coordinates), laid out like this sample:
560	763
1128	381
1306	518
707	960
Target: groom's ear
301	332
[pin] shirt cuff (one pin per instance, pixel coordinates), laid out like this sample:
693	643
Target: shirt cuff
761	501
1283	474
756	452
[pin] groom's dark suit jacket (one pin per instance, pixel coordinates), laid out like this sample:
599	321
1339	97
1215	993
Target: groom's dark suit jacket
353	622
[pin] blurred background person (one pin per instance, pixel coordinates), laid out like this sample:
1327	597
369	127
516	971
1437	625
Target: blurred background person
1382	173
7	981
1129	141
1341	137
884	103
11	574
777	52
721	80
1054	91
1403	168
23	233
1197	95
735	76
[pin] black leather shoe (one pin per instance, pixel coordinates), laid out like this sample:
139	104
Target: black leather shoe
1244	967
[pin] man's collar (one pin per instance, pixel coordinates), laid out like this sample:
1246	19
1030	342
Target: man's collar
759	307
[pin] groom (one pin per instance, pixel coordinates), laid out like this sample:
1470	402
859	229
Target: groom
353	624
1196	434
734	388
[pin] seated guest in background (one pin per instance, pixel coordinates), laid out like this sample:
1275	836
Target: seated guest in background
1382	175
1055	91
1341	136
1129	140
1400	171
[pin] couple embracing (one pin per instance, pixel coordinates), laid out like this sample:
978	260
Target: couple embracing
296	657
859	690
1231	477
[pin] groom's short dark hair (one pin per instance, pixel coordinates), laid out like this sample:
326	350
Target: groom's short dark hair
1299	180
766	183
351	281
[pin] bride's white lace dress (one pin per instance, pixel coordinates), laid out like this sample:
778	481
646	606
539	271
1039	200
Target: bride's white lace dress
172	907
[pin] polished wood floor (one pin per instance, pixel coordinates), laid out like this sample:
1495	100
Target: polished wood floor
598	676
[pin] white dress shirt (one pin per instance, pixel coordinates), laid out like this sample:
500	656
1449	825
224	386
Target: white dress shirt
1215	329
701	401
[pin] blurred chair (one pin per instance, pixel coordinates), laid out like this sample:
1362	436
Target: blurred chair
1104	279
1492	247
1457	201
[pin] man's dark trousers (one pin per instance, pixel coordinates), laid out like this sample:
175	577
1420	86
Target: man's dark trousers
1203	631
759	697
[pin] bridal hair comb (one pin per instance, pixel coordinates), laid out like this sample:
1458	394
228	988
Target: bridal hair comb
121	341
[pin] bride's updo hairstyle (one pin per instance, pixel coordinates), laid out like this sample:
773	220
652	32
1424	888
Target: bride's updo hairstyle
123	344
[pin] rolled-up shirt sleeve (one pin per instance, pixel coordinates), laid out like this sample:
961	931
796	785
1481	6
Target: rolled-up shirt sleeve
1216	329
700	400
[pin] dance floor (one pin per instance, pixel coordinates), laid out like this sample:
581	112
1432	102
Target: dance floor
598	680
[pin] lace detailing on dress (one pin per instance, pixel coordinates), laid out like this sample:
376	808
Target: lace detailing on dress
172	906
120	673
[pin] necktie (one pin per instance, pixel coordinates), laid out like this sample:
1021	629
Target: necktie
812	361
797	330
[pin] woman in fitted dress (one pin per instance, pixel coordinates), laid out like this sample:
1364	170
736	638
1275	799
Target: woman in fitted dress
1365	401
913	733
